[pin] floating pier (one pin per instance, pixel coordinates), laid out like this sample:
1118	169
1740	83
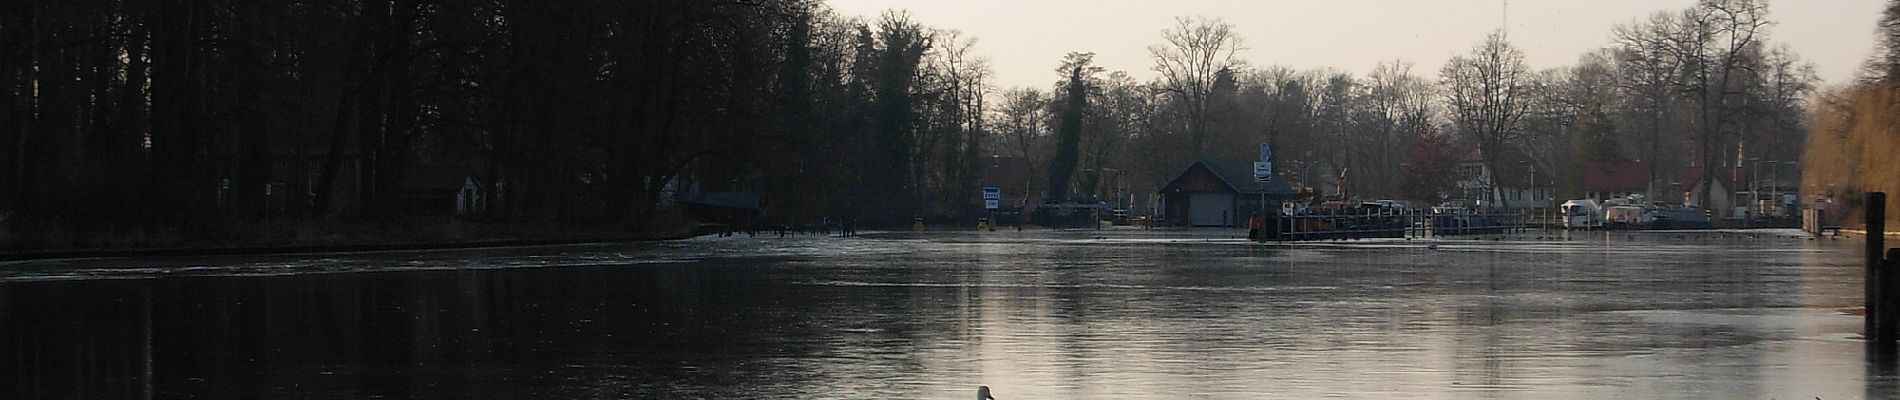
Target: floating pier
1385	225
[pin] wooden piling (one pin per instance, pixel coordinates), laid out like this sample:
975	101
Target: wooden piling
1889	323
1876	223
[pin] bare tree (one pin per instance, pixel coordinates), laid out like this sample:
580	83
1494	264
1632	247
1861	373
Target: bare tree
1395	109
1886	62
1337	95
1120	109
1562	110
1196	50
1785	85
955	82
1291	110
1486	95
1713	40
1022	120
1648	72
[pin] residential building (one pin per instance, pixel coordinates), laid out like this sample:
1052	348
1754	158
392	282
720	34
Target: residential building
1518	183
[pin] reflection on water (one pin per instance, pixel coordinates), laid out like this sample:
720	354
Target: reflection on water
1090	314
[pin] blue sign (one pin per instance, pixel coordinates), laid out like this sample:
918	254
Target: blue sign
1263	169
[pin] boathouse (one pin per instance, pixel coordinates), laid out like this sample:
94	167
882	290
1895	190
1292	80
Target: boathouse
1219	193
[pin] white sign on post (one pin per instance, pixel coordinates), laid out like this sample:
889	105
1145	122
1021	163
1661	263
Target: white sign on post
1263	169
991	204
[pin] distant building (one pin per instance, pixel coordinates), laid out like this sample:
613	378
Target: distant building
1604	180
1730	197
1219	193
1518	185
1727	199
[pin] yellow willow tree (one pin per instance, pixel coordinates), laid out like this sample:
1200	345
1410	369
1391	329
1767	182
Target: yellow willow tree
1855	134
1851	149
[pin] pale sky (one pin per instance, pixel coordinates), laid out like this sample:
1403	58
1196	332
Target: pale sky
1026	39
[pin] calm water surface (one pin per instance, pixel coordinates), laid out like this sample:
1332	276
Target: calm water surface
1034	315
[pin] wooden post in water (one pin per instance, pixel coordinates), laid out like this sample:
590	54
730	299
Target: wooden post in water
1889	322
1876	223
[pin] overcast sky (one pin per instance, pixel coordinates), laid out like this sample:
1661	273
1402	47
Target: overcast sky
1026	39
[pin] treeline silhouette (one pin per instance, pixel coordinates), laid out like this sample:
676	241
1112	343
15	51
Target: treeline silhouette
166	121
181	118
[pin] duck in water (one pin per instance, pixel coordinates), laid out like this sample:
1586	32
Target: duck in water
983	393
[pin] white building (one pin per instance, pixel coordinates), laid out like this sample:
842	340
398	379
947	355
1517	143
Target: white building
1522	187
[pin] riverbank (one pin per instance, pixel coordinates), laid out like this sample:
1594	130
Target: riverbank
313	236
1186	312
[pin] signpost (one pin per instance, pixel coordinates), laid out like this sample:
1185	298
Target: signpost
1263	173
992	199
1263	169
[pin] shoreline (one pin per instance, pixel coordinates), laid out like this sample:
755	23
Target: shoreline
289	249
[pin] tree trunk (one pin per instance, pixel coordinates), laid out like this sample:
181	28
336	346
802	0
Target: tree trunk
127	150
347	106
18	48
333	159
175	138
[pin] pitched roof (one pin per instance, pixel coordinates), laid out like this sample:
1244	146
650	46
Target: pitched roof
1604	176
1633	176
1514	169
1236	175
1519	174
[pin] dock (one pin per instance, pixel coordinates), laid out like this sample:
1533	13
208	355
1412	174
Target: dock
1345	226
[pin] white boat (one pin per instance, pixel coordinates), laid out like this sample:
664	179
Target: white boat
1626	217
1582	214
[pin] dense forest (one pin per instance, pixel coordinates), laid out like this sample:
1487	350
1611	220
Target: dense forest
154	122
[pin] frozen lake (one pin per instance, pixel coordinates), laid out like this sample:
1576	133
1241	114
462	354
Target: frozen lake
1034	315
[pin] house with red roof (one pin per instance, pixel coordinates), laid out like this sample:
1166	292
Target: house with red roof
1604	180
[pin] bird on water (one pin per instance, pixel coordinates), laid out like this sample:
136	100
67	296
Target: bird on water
983	393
